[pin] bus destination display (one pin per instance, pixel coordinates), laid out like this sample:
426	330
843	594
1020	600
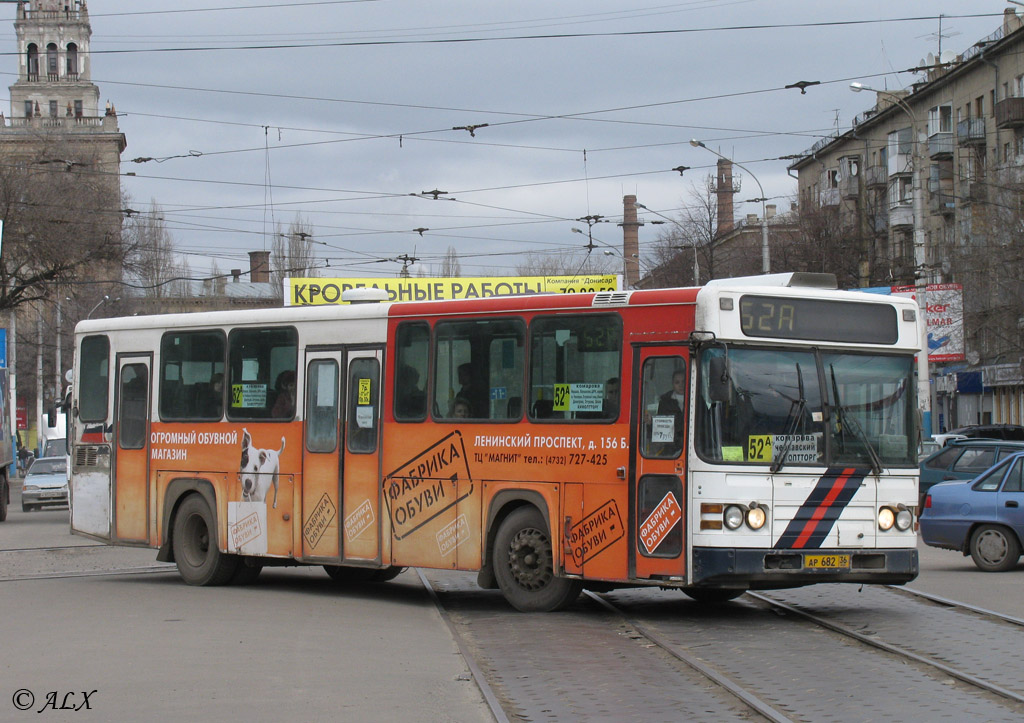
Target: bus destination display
818	319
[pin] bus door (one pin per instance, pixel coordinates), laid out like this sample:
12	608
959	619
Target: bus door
131	449
321	457
657	507
361	486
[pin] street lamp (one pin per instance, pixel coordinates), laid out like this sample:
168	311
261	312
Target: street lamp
696	267
924	393
105	298
766	264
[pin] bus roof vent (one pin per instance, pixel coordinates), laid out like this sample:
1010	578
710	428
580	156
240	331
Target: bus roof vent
807	279
611	298
364	295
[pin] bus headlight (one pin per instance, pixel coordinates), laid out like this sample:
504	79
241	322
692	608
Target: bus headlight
904	519
733	517
886	518
756	516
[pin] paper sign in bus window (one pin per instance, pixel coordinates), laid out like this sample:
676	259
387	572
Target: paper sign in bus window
581	397
248	396
364	417
364	391
663	429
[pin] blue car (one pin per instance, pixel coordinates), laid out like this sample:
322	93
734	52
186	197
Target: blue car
983	517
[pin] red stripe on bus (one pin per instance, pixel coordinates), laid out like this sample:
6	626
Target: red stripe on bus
812	523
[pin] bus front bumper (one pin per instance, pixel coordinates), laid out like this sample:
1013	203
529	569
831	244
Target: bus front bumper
764	569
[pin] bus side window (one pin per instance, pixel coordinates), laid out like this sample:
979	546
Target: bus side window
363	394
262	377
189	362
478	369
92	382
575	364
412	346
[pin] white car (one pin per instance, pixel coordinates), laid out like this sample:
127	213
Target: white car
45	484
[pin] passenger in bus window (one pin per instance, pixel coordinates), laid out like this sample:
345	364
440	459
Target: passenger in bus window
410	400
471	391
214	397
284	404
673	403
610	405
461	408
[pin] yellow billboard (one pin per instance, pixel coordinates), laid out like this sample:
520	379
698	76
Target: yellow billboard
313	292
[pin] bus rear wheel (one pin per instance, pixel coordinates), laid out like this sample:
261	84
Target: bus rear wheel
249	568
195	545
5	493
524	568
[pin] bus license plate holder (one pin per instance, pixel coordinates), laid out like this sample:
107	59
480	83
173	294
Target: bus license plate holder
827	562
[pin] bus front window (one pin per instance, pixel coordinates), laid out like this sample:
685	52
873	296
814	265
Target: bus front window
767	406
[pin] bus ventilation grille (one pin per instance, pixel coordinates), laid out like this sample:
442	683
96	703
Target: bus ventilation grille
85	457
611	298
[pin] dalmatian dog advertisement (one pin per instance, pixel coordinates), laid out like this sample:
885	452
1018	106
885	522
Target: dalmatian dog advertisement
258	473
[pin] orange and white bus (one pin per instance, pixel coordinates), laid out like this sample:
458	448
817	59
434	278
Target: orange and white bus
754	433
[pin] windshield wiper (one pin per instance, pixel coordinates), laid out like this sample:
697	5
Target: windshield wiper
796	415
846	418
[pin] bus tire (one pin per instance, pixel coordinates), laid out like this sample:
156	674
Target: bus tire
387	573
195	545
523	565
711	596
5	496
994	548
249	568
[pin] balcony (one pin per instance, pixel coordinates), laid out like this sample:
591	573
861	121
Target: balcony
830	197
876	176
973	191
849	186
940	145
1010	113
901	216
971	132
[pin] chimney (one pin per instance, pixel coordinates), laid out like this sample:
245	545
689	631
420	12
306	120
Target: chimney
236	275
259	266
751	219
724	191
630	242
1011	22
769	211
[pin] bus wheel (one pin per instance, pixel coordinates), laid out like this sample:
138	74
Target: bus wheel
347	575
523	565
249	568
5	491
195	545
711	596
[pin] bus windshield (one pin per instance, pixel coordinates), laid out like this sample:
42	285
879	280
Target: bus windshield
785	408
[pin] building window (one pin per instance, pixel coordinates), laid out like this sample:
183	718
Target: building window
32	61
78	109
940	119
53	109
51	61
72	61
28	109
832	178
979	106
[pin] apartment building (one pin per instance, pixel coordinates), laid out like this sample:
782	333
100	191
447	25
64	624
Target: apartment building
928	186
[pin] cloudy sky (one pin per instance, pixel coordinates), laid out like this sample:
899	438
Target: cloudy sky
343	113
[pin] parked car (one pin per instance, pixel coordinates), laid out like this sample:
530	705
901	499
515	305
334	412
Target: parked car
962	459
46	484
1013	432
927	448
982	517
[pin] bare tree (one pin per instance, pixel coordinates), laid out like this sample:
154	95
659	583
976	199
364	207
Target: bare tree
292	253
152	267
566	264
61	224
450	266
693	233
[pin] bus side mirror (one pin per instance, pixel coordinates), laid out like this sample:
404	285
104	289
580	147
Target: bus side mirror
719	384
51	417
